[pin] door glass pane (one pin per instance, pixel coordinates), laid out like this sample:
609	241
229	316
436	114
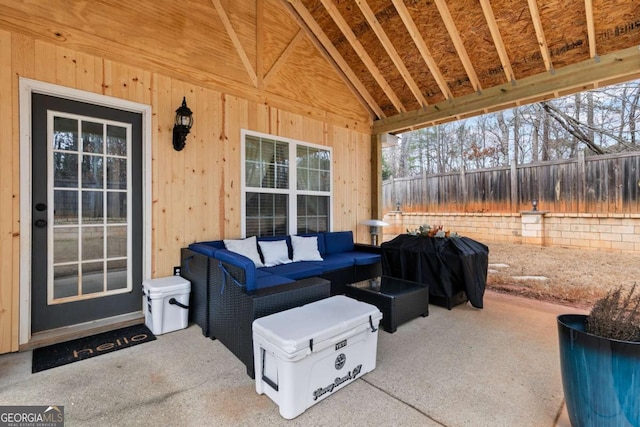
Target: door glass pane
116	242
65	243
65	207
92	243
92	137
116	173
65	169
116	274
92	171
92	277
65	281
65	134
116	207
92	207
116	140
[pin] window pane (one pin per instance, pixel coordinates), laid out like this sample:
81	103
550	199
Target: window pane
65	207
65	173
92	171
92	277
92	137
116	140
252	174
92	243
65	281
92	207
116	207
65	244
117	173
313	214
116	242
116	274
252	148
65	134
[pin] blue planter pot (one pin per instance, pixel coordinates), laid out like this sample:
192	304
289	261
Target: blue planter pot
600	376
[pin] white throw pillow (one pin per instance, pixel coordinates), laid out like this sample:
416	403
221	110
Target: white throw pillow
305	248
246	247
275	252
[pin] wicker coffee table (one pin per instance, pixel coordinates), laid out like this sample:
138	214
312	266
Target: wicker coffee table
399	300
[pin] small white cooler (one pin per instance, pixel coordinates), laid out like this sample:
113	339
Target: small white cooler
305	354
165	303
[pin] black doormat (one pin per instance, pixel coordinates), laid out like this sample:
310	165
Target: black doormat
84	348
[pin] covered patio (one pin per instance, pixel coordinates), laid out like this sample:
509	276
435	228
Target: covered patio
337	76
466	367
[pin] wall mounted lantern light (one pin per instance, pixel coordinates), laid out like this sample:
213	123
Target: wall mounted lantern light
534	203
182	126
374	229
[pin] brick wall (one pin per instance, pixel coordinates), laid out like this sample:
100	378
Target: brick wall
612	232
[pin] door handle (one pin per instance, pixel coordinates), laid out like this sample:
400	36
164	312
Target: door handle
40	223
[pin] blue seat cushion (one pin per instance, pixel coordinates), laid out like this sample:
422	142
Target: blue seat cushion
207	248
295	270
338	241
333	262
362	258
267	280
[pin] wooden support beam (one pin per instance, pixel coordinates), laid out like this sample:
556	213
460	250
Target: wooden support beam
260	36
591	29
443	9
612	68
391	51
542	41
497	40
362	53
284	56
417	38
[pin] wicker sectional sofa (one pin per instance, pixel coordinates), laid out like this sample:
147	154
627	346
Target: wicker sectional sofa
228	291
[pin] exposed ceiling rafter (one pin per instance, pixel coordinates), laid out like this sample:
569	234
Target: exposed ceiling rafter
457	42
391	51
542	41
497	40
409	23
362	53
591	29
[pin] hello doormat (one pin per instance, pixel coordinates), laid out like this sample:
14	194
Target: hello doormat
85	348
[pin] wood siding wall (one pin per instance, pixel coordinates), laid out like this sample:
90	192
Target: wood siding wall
608	184
196	192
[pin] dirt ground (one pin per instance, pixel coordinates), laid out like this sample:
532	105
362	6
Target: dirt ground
575	277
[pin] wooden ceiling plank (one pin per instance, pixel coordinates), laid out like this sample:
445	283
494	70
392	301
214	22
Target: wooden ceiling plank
284	56
362	53
443	9
391	51
614	67
497	40
591	28
412	28
236	41
317	36
542	41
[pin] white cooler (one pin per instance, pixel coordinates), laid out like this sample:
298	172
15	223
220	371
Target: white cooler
305	354
165	303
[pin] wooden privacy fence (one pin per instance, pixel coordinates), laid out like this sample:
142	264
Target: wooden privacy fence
606	184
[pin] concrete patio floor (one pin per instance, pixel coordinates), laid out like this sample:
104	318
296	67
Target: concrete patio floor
466	367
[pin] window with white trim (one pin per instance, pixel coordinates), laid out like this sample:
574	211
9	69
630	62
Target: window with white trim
286	186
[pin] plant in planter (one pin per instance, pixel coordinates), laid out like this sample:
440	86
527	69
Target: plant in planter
600	361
